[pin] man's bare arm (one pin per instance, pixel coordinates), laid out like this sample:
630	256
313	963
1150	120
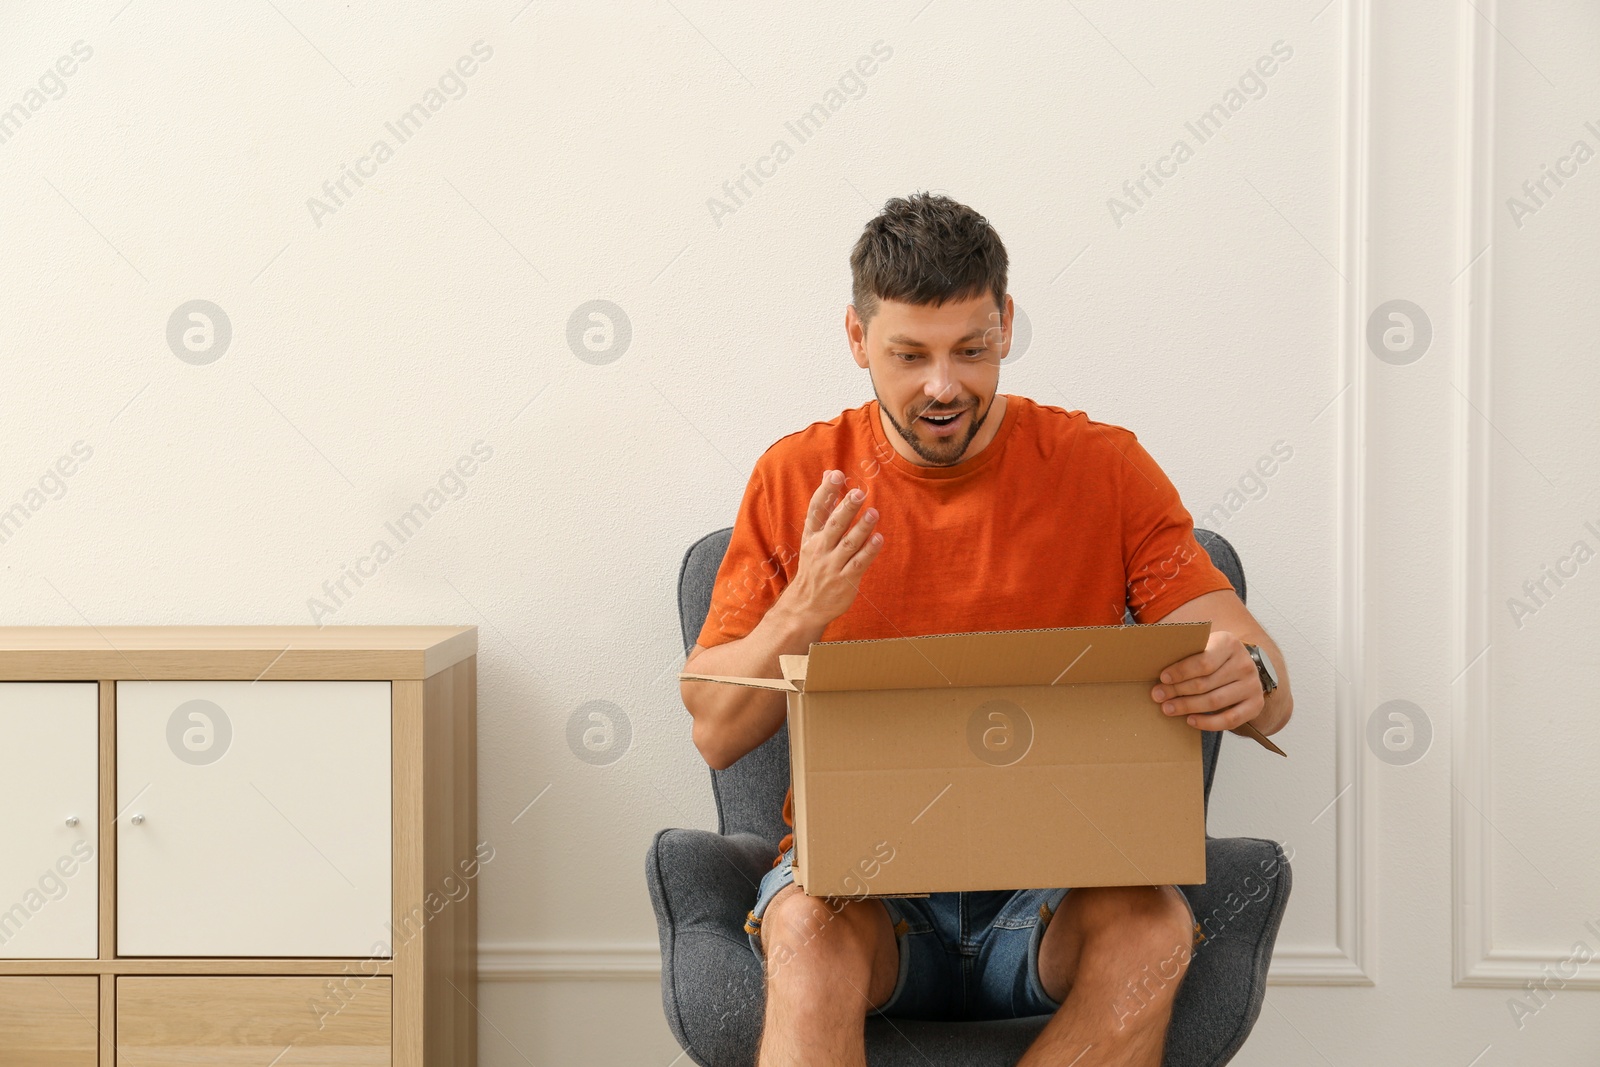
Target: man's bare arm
731	720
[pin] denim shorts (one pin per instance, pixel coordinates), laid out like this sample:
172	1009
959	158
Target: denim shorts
972	955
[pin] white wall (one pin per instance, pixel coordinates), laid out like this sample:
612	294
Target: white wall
376	343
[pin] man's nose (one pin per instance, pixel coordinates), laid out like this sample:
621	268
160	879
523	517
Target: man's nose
940	385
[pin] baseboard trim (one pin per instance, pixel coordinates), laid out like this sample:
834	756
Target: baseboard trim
636	961
565	961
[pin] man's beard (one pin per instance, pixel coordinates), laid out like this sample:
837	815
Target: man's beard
942	451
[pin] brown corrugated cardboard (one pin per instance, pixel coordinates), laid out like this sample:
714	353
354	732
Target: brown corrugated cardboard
1015	759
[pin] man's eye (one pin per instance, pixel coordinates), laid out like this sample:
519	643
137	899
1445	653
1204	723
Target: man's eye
906	356
976	351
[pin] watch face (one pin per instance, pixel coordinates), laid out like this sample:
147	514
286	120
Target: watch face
1264	664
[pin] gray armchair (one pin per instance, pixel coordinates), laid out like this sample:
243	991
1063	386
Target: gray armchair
701	884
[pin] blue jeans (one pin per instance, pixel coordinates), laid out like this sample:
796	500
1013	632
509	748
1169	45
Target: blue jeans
962	955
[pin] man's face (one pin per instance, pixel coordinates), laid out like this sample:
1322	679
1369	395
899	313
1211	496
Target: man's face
929	361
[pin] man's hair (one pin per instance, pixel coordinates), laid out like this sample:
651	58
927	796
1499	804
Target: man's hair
926	249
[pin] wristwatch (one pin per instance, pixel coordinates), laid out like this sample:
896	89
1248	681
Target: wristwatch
1269	676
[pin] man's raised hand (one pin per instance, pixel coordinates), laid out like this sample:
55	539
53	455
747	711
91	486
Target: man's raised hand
833	553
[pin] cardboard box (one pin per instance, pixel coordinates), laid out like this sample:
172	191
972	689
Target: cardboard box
1015	759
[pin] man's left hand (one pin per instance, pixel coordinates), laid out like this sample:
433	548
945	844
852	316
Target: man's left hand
1218	689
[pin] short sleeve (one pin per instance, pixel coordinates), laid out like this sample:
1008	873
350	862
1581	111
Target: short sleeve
752	573
1166	566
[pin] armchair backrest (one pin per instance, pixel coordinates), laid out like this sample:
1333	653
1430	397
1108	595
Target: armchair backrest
749	794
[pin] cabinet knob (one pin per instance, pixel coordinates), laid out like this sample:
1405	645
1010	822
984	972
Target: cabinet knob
72	820
137	819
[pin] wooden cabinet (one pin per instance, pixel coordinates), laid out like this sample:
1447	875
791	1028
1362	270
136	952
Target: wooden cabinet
275	840
49	799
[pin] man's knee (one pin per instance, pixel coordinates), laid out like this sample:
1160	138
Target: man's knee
801	933
1138	927
831	957
1145	935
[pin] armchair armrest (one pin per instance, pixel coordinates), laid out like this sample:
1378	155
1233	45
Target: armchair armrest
1239	910
705	881
712	989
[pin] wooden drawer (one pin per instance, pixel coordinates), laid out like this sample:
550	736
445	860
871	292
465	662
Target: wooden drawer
49	794
49	1021
255	818
229	1022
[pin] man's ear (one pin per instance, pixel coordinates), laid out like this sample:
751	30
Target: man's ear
852	328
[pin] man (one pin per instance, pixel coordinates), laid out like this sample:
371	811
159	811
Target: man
988	511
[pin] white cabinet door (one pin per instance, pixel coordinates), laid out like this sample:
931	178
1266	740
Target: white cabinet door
252	818
49	799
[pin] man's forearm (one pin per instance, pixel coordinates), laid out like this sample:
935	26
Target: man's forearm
731	720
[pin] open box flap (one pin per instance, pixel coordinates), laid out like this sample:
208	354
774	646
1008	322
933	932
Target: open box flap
758	683
1077	655
794	669
1065	655
1247	730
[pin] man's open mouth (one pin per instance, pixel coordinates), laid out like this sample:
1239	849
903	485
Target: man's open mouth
943	423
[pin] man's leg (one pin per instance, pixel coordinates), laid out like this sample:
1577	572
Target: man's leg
1114	957
828	963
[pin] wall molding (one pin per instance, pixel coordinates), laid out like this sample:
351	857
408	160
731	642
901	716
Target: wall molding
1310	965
1477	960
1470	879
1349	961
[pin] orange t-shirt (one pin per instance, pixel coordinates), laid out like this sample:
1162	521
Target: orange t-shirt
1060	521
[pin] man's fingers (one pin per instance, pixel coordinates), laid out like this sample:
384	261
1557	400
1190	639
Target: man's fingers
1199	665
1225	719
1181	670
1213	699
852	541
1206	662
863	559
843	513
1202	683
822	502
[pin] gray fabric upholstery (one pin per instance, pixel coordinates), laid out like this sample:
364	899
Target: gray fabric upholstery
701	884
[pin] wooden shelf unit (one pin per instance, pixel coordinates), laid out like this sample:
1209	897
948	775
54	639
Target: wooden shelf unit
414	1006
